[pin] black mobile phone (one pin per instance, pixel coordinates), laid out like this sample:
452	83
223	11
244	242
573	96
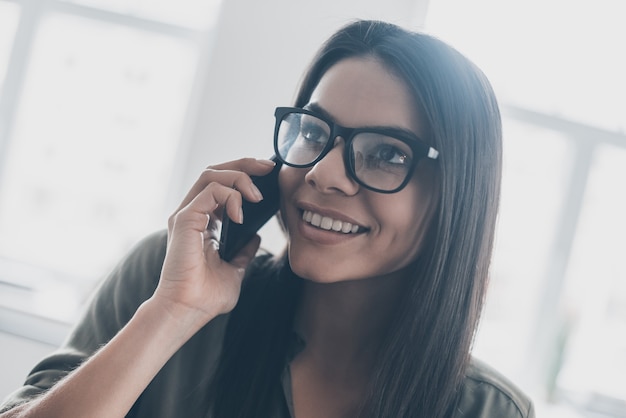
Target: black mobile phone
234	236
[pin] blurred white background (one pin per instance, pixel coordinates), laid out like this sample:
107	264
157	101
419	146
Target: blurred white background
110	109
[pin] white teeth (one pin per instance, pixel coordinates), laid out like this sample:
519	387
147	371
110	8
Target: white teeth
324	222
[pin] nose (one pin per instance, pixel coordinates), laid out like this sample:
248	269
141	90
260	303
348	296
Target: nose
330	174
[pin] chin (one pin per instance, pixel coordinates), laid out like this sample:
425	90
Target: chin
312	274
315	271
327	273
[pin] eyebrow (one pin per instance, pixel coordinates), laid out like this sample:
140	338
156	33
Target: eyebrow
316	108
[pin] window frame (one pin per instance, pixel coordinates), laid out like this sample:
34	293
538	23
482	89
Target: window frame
19	310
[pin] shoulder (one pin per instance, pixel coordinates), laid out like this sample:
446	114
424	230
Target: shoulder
487	393
148	253
141	267
134	278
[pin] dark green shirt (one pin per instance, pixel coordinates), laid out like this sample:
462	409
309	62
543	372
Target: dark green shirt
183	382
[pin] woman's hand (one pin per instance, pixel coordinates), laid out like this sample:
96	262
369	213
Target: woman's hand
196	284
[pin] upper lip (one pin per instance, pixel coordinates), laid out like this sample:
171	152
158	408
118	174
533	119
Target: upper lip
331	213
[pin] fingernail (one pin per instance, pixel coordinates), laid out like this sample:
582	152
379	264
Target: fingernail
269	163
257	193
240	216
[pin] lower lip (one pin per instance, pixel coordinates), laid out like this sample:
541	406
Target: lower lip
322	236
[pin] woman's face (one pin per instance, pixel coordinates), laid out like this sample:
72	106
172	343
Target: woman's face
391	227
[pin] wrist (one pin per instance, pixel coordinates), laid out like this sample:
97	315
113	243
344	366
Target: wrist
176	320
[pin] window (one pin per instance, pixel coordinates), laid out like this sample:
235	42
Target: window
595	297
555	317
94	104
193	14
532	200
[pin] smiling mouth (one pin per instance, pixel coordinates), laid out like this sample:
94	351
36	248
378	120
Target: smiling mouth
330	224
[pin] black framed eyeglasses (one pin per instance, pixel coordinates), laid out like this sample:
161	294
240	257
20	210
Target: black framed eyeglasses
380	159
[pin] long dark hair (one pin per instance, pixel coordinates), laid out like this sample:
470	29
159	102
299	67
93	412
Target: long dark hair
423	361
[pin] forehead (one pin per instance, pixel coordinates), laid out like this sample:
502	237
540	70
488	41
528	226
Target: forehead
363	92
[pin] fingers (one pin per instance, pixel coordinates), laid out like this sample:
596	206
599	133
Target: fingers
233	174
198	213
228	182
220	188
212	231
252	166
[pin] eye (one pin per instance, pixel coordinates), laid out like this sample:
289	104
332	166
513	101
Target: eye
389	154
380	153
385	156
314	131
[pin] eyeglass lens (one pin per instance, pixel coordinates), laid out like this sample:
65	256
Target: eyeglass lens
377	160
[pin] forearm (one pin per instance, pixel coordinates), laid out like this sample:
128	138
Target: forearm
109	383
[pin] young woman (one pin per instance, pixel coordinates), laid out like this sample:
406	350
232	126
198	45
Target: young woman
389	192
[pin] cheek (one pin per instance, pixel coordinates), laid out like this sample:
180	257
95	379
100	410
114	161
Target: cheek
405	220
289	180
401	224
